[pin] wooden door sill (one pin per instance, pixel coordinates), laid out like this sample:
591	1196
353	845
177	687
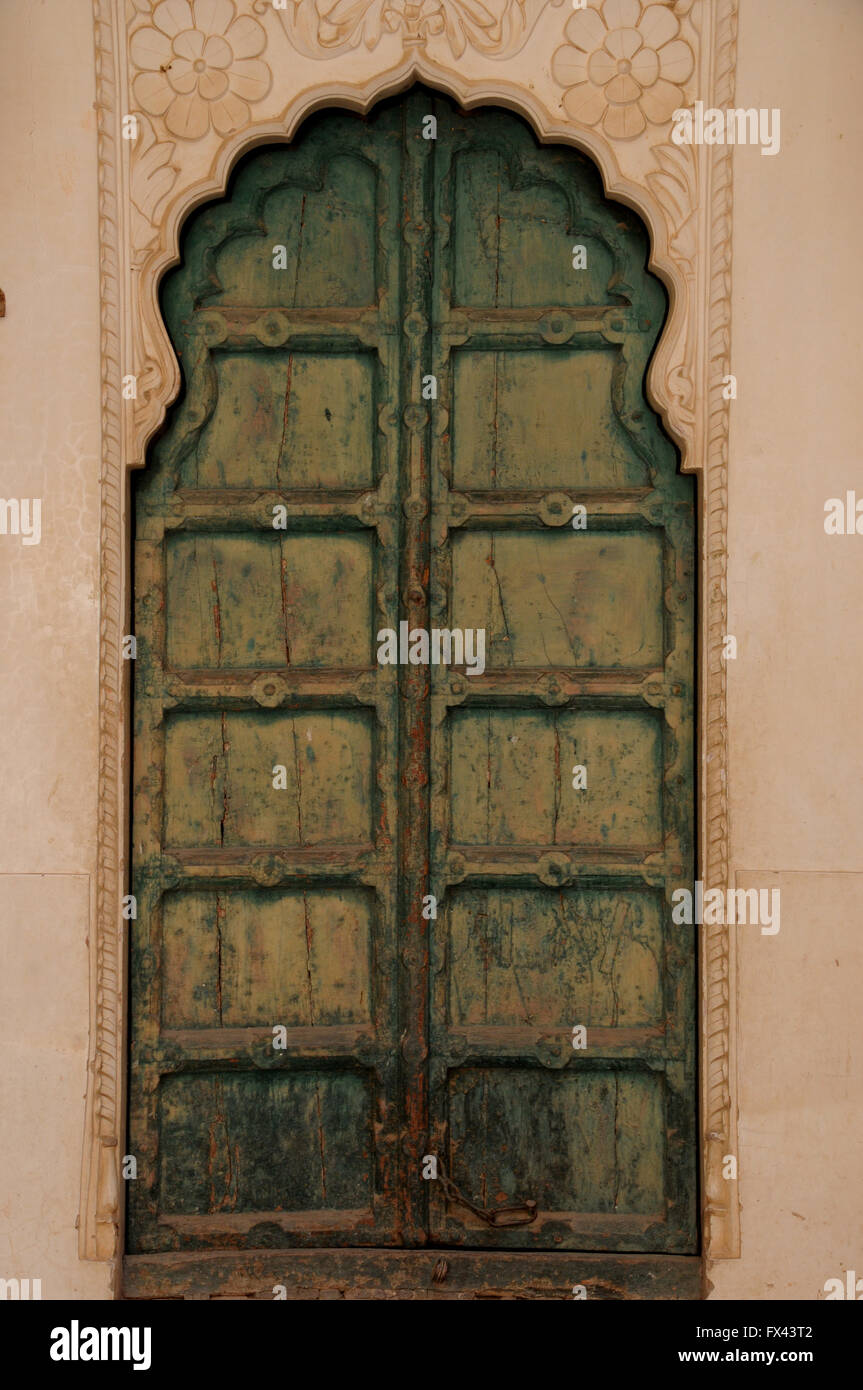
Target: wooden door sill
409	1274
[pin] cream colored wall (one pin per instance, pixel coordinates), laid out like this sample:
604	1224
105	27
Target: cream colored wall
795	598
49	448
794	594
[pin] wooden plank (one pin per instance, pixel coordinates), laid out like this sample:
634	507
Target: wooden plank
561	599
512	778
269	601
260	958
539	957
489	1274
251	1143
220	778
509	250
327	234
414	713
540	419
310	415
588	1147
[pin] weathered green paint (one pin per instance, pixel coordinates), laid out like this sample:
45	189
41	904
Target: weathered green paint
300	906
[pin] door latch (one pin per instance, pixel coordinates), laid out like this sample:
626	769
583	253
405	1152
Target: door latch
518	1214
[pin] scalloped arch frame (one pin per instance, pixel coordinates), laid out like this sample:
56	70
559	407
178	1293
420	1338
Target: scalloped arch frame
148	185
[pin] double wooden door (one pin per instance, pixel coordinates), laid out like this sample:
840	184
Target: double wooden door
412	918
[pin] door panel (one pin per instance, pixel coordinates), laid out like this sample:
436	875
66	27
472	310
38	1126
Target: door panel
297	442
542	605
268	602
507	249
265	1102
556	912
239	959
552	409
372	906
525	956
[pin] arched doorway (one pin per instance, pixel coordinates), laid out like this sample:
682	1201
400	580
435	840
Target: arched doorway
414	719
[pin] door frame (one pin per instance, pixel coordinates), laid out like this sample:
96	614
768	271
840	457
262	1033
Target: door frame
147	187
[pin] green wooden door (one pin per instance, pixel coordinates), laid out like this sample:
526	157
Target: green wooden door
378	902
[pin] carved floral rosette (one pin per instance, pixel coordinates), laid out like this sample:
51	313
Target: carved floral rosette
205	79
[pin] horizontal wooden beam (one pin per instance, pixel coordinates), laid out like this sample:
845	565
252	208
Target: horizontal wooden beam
420	1274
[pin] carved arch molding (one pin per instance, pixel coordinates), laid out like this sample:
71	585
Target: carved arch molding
208	79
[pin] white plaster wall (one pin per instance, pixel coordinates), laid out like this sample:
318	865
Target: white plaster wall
795	690
49	448
794	595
